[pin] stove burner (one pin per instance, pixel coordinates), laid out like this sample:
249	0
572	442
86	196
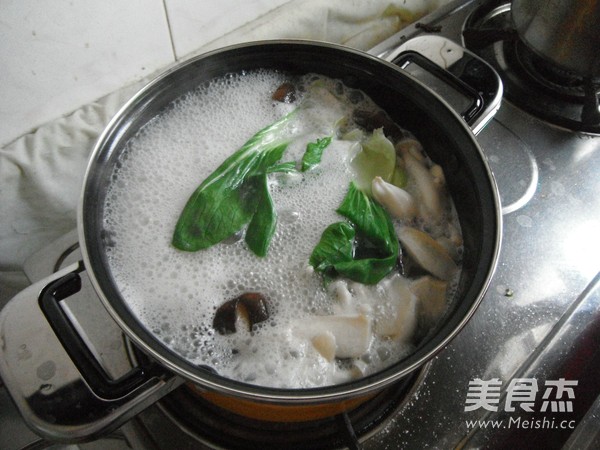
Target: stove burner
219	428
543	89
548	75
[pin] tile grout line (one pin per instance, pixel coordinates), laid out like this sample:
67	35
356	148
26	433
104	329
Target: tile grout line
170	30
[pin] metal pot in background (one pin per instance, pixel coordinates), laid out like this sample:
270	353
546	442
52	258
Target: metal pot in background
565	32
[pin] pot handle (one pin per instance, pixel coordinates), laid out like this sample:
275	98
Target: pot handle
469	84
58	386
76	348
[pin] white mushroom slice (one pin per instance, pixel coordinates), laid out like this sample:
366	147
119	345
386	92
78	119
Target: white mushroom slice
352	333
359	369
325	344
396	200
344	303
451	247
361	291
340	376
365	309
427	253
399	318
428	190
431	293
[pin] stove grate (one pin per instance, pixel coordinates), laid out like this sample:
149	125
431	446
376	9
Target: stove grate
532	83
218	428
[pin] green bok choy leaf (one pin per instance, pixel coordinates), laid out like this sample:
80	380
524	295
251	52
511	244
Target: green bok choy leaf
228	199
365	249
236	194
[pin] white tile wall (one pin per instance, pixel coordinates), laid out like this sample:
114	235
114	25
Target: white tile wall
192	26
57	55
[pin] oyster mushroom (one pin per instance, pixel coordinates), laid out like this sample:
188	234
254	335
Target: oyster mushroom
243	311
396	200
431	293
325	344
426	183
352	334
359	369
399	318
344	303
427	253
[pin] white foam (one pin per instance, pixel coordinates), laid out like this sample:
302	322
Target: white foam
175	293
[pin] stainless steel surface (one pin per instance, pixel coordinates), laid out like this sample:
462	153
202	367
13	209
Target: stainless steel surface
565	32
462	64
46	385
541	316
102	335
568	349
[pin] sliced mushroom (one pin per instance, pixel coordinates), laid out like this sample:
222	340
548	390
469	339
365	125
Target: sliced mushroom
427	253
425	183
243	311
344	303
352	333
431	293
408	267
359	369
325	344
396	200
451	246
399	320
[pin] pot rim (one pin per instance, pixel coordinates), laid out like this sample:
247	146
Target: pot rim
268	394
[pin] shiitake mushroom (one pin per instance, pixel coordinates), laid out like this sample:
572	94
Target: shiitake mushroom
285	93
249	308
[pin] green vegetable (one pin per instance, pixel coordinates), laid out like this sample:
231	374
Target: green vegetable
365	249
262	226
314	152
377	158
336	246
229	198
236	194
287	167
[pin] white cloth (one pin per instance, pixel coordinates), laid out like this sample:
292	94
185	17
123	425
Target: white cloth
41	173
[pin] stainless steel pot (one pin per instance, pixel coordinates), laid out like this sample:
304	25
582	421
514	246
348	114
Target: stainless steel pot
565	32
53	378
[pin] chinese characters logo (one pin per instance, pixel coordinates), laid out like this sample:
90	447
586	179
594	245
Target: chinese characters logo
521	393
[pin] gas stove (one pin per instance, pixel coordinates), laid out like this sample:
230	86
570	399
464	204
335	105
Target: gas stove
523	372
